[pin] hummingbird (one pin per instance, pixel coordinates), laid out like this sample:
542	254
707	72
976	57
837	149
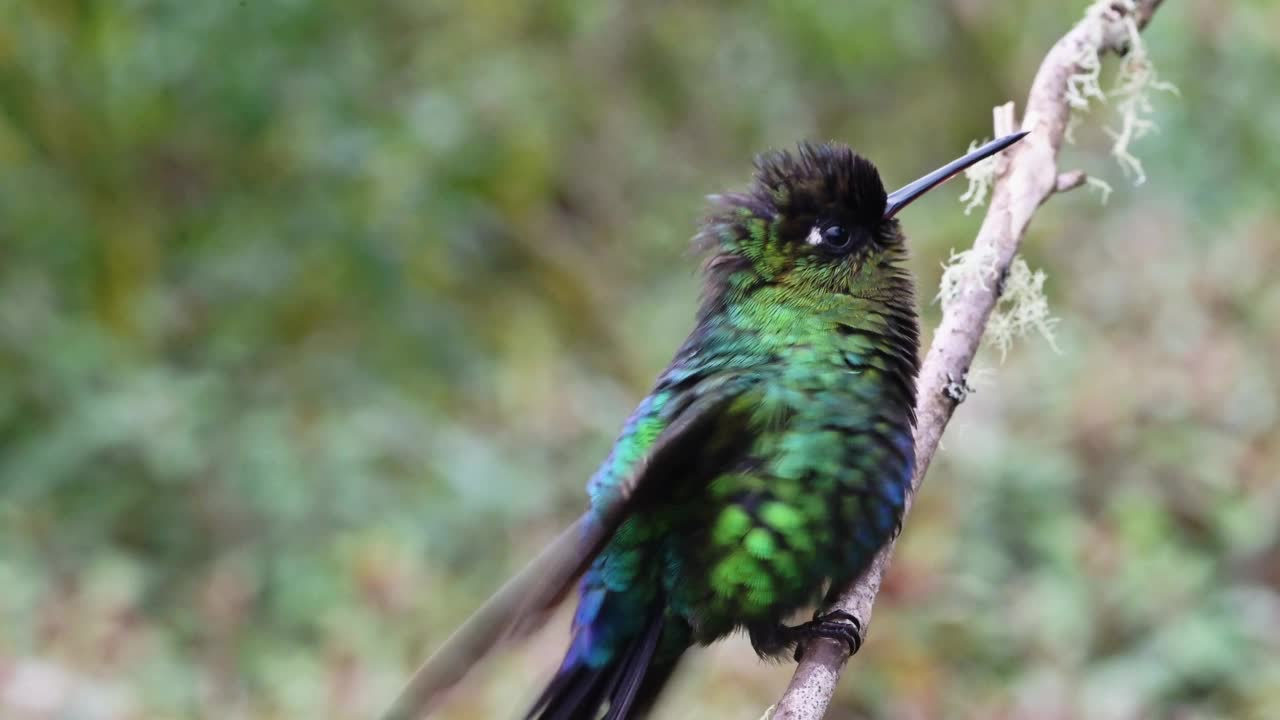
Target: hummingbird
769	463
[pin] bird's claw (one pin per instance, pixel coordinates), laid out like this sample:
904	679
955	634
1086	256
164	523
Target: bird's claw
835	625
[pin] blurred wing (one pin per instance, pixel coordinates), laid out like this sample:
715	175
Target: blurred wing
523	603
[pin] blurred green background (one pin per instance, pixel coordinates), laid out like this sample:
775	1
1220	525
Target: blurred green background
316	316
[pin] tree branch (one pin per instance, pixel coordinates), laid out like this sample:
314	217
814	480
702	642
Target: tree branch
1030	176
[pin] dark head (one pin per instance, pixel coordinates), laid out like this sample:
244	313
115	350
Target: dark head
816	223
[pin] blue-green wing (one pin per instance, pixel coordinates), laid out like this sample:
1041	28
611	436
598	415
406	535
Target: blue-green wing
671	425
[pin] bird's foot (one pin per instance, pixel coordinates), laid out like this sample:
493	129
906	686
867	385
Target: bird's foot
775	640
835	625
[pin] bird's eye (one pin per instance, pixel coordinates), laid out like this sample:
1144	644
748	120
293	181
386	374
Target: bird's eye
836	237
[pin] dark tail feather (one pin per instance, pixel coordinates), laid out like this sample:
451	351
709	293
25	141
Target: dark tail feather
647	694
578	692
515	610
573	695
630	675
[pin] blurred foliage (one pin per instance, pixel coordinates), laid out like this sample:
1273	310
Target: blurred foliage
315	316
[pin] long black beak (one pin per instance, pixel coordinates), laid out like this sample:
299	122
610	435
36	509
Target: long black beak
903	196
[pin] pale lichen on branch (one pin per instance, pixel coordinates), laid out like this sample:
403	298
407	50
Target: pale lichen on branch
1021	309
1135	81
980	176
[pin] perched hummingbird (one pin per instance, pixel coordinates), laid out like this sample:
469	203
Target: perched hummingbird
771	459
